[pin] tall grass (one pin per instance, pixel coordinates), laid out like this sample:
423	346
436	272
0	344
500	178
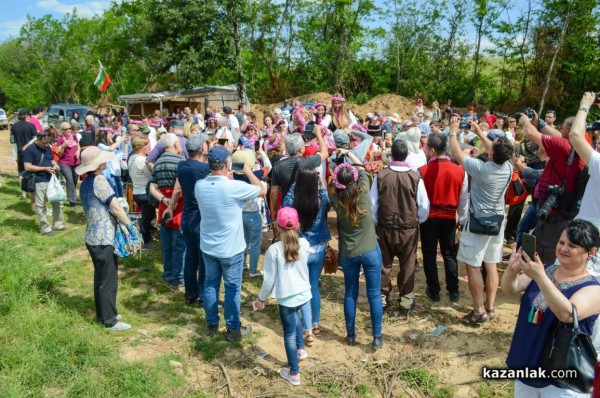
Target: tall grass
49	342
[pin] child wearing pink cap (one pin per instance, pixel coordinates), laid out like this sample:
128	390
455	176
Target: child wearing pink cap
286	279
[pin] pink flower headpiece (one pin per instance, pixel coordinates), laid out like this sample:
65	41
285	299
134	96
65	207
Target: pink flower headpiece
280	121
136	122
338	185
358	127
318	104
338	99
298	114
253	126
106	129
275	143
213	119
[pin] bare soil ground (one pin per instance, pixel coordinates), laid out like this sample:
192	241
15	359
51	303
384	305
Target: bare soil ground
391	103
411	364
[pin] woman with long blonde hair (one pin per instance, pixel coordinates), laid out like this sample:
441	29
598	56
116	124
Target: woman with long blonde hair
341	118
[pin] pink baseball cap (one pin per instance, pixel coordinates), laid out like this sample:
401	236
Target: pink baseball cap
287	218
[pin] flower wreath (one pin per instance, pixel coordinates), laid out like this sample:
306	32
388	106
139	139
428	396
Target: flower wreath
338	99
274	144
339	185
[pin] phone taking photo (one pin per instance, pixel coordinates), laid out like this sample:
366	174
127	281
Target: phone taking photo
237	166
222	141
529	245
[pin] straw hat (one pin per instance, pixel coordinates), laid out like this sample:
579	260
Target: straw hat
91	158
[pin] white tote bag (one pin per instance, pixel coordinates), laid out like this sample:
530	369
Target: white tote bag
55	191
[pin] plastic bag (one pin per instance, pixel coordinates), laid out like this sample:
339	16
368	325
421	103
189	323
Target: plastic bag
55	191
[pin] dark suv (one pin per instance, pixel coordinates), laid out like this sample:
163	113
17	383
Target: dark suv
58	113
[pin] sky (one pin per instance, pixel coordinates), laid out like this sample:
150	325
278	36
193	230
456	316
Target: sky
14	13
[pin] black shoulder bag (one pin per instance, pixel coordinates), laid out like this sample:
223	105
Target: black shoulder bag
28	177
570	349
486	222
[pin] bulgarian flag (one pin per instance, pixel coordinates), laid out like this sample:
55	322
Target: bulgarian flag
102	80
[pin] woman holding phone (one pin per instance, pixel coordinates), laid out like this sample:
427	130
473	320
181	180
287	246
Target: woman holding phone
549	292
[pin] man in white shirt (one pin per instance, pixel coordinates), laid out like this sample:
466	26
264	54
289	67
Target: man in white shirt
232	124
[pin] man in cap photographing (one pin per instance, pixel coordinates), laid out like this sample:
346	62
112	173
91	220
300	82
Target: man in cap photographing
221	201
38	159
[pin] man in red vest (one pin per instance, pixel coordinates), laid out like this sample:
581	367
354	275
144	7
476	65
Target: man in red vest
447	189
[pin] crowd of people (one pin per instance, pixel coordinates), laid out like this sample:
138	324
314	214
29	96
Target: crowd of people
210	186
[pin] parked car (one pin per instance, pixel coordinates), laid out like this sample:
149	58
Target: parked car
58	113
3	120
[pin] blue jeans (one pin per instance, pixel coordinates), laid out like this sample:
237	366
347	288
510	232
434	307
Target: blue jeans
315	267
173	253
231	270
527	223
193	269
252	236
371	264
292	335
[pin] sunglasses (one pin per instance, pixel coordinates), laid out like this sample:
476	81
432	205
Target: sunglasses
70	128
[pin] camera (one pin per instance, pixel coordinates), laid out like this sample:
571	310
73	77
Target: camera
555	192
527	111
309	127
464	125
594	126
597	98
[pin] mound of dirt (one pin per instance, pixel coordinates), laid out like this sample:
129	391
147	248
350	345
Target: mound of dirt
391	103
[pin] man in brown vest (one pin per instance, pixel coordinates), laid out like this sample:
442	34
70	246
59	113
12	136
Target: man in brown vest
399	202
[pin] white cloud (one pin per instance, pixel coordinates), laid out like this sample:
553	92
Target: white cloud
85	9
11	28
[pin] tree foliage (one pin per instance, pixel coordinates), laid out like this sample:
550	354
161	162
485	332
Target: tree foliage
492	52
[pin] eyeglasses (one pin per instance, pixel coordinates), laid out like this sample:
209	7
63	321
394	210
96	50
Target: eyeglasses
70	128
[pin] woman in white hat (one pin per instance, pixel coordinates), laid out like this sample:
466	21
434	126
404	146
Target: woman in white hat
99	202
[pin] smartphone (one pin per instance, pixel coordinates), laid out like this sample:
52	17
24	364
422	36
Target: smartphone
529	245
597	98
464	125
237	166
257	146
309	127
222	141
166	219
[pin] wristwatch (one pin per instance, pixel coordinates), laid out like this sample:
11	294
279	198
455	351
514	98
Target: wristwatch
452	134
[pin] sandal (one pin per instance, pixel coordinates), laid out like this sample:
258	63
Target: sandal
474	318
316	330
491	313
309	339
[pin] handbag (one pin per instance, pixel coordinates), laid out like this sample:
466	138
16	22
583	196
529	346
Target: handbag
486	222
569	348
331	260
28	178
516	192
55	191
128	239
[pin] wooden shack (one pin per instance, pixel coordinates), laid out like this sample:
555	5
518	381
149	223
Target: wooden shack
196	98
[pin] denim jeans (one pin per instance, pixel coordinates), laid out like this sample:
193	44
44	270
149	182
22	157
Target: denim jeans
315	266
252	236
193	269
231	270
527	223
173	253
371	264
292	335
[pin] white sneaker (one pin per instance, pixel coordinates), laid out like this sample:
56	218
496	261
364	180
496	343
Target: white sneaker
293	380
255	274
302	354
120	326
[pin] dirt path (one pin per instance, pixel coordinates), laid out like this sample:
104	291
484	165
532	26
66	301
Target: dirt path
333	368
